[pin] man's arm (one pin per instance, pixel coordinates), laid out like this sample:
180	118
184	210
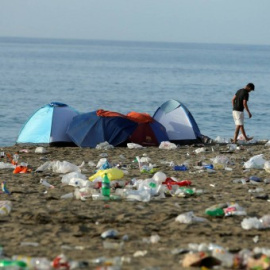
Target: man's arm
233	99
246	107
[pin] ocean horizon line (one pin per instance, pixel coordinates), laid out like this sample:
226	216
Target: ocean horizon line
72	40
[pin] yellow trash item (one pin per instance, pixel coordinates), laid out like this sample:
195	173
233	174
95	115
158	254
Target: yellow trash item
113	174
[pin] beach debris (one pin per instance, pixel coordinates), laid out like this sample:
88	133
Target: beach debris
41	150
256	162
112	233
256	223
113	174
75	179
22	168
32	244
4	188
61	262
46	184
220	139
153	239
4	165
189	218
200	150
140	253
181	167
167	145
69	195
59	167
5	207
134	146
104	146
267	166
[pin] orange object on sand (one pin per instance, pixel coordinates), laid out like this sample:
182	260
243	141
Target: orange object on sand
20	169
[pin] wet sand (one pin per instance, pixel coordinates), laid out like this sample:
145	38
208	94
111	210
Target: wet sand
74	227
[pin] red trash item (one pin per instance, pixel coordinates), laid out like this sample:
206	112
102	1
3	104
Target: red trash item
170	182
60	262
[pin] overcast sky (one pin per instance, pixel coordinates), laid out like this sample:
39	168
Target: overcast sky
208	21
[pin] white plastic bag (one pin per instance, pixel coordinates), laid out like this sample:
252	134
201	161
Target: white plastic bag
267	166
104	146
167	145
74	179
189	217
4	165
59	167
221	159
219	139
134	146
256	162
41	150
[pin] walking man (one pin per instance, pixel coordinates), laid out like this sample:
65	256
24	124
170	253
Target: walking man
239	103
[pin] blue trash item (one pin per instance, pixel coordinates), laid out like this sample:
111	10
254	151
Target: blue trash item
89	129
255	178
180	168
48	125
208	166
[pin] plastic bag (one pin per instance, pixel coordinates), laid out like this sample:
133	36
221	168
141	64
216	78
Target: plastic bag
41	150
134	146
59	167
219	139
189	217
4	165
256	162
167	145
104	146
221	159
5	207
75	179
112	173
267	166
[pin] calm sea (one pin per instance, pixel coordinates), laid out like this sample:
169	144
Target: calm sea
132	76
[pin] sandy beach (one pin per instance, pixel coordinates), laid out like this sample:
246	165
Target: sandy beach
41	224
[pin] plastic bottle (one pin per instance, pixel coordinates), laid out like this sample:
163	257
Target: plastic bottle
216	210
12	264
208	166
15	159
39	263
180	168
106	187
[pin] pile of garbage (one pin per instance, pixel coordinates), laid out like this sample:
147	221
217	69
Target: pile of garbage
212	255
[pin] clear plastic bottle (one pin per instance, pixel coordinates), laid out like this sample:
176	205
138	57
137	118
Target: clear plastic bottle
37	263
15	159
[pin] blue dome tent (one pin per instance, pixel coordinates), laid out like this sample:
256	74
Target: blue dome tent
48	125
180	125
89	129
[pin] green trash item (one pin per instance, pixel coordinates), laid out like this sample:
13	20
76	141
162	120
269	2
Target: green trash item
7	263
106	186
216	210
188	191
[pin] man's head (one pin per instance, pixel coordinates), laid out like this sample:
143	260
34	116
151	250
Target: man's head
250	87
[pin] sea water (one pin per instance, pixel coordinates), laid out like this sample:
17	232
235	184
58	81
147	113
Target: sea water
133	76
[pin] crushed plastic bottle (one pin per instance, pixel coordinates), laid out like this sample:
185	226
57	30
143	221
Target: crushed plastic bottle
189	217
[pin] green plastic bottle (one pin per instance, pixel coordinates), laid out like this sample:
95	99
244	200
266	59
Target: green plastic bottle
188	191
106	186
9	263
215	212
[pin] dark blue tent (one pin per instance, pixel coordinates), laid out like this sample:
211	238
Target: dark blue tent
89	129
